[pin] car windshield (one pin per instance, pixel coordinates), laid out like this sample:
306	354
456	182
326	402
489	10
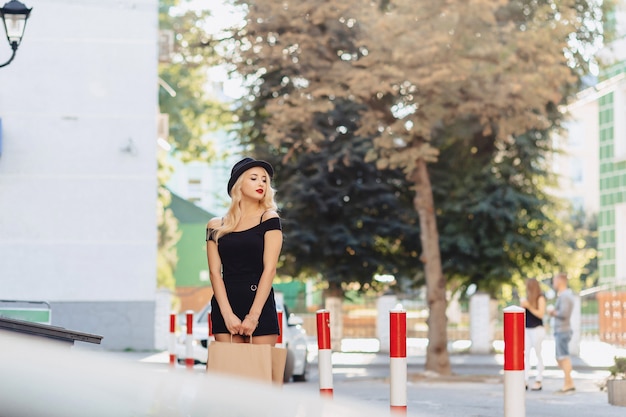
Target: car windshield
204	314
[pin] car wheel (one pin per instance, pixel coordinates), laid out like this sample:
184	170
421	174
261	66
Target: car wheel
289	365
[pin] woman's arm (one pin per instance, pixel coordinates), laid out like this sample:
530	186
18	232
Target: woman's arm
273	245
233	324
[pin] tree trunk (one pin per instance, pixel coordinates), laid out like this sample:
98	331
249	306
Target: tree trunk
437	359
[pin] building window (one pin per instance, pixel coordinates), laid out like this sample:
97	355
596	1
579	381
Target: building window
576	133
576	170
578	203
194	187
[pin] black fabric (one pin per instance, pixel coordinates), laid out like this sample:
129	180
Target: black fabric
241	254
532	320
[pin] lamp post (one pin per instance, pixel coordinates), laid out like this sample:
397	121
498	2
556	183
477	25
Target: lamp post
14	15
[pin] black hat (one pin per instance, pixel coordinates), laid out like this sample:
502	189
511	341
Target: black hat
244	165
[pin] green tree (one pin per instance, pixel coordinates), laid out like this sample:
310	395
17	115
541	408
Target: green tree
497	65
342	216
167	233
359	226
496	220
193	113
579	254
426	73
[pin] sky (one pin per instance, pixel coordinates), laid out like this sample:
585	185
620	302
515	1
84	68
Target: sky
223	15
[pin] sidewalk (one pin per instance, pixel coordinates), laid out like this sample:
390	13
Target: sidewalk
476	389
594	355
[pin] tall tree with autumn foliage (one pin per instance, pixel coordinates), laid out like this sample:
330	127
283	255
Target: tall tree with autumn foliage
423	71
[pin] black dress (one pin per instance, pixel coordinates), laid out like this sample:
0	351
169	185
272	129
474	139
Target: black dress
242	265
533	321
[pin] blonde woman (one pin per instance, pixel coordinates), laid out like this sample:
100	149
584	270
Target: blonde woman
535	305
242	250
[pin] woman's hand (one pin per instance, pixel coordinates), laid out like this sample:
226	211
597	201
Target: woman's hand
233	324
249	324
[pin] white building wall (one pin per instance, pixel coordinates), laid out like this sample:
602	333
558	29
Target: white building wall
577	166
78	166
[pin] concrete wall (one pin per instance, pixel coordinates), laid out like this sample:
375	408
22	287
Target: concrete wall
78	167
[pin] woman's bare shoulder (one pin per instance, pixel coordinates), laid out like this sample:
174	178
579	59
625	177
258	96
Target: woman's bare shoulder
214	223
269	214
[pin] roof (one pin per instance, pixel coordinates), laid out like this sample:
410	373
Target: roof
599	90
187	212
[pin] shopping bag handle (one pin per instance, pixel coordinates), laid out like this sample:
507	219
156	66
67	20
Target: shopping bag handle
231	338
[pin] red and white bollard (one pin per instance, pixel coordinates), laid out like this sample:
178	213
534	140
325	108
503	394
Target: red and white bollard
279	341
172	339
189	360
397	361
514	379
324	356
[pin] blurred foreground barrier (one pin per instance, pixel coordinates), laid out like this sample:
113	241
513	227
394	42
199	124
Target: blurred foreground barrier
43	379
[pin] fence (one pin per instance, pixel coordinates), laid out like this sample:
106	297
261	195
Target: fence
612	317
359	321
602	316
32	311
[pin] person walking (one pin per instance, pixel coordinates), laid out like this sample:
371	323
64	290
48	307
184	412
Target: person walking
562	314
242	251
535	332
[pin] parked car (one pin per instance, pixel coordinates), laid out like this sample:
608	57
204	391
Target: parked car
294	340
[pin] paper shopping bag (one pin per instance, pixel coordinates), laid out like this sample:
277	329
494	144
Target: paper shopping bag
241	359
279	359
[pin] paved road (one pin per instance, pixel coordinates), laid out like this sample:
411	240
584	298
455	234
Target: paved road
475	390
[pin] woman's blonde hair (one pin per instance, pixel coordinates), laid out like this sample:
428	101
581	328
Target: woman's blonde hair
533	292
233	215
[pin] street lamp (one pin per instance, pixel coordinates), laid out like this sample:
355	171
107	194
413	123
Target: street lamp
14	15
